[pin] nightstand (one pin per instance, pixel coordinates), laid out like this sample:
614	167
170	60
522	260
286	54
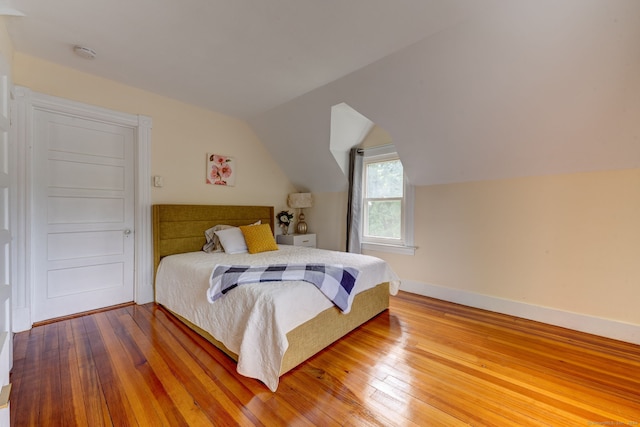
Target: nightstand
297	239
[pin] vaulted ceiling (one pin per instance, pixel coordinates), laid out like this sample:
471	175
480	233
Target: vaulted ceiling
238	57
467	89
528	88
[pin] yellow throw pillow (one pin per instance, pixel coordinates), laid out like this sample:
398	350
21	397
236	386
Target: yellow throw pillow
259	238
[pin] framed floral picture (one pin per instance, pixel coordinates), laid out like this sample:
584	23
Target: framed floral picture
220	170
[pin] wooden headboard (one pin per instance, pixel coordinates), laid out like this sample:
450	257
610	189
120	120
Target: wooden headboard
180	228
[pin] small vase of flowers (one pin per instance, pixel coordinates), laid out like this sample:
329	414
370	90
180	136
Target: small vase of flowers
284	219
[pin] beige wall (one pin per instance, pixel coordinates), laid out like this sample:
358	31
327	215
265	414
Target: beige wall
182	135
567	242
376	137
327	218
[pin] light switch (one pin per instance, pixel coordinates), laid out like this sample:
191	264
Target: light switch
158	181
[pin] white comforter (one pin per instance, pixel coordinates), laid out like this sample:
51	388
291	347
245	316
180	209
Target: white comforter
253	320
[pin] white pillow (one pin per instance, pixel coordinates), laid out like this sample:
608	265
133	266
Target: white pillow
213	243
232	240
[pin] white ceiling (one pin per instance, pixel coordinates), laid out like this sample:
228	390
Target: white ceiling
529	88
468	89
239	57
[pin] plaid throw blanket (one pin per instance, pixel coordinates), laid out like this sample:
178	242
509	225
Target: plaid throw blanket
334	281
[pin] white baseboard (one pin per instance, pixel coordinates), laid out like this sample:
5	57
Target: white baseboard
580	322
21	319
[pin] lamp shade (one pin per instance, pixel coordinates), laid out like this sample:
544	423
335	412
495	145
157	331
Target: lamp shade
299	200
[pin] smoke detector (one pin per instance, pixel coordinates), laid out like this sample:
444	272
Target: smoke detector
84	52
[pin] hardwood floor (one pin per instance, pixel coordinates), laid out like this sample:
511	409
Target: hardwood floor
424	362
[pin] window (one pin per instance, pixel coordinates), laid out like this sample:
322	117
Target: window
387	203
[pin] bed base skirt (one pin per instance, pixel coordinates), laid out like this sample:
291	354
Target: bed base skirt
319	332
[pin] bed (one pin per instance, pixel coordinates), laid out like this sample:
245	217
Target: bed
297	330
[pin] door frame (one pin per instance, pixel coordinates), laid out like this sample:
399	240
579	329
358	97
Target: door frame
6	238
25	103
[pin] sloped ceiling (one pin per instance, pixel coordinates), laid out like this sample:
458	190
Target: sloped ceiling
528	88
467	89
238	57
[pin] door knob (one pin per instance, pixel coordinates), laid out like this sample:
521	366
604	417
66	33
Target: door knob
127	232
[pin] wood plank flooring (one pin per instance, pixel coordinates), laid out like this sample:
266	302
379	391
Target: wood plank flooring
424	362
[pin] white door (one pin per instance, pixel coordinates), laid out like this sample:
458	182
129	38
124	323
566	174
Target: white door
6	162
83	214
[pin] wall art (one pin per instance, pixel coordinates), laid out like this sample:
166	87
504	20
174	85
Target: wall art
221	170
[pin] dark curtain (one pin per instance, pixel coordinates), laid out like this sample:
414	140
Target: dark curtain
354	204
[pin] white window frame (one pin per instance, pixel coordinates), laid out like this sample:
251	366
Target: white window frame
404	245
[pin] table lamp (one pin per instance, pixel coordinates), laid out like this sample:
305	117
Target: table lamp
300	201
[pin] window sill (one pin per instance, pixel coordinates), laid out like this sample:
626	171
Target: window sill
395	249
